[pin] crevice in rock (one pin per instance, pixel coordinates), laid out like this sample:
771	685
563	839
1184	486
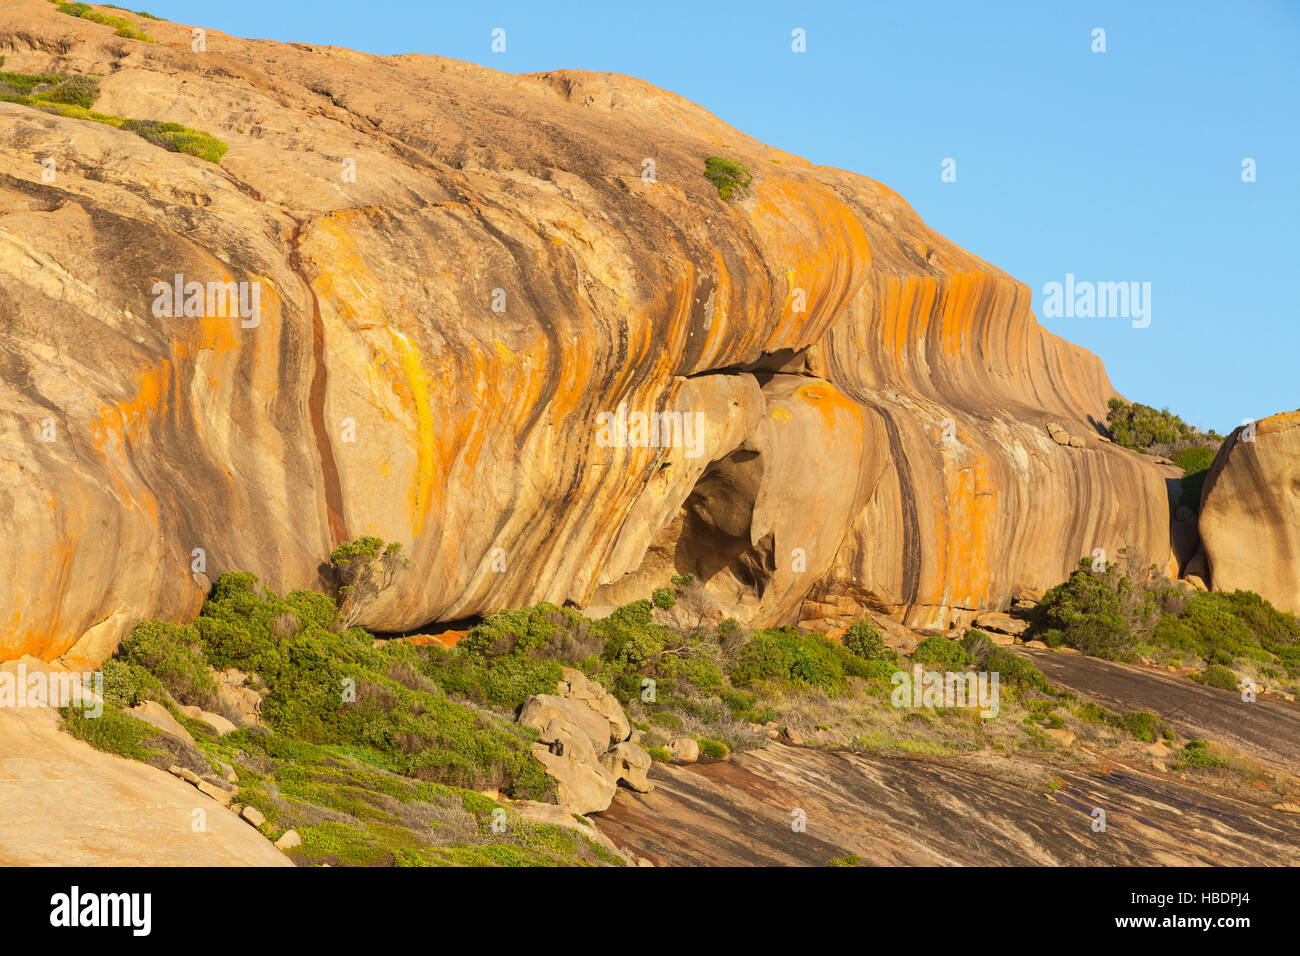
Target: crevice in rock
767	365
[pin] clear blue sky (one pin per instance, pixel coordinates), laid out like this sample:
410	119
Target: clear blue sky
1115	166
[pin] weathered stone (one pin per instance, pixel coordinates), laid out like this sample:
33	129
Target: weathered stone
791	736
218	723
582	785
374	308
629	764
687	750
222	796
540	710
253	815
288	840
189	776
1001	623
1250	512
1062	736
156	715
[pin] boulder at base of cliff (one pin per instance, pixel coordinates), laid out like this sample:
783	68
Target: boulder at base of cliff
582	733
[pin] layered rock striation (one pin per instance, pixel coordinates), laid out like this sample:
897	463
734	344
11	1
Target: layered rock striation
460	274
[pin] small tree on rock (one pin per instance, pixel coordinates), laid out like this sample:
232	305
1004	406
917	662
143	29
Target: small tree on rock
366	566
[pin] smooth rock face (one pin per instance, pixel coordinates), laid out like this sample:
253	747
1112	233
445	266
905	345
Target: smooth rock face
156	715
64	803
1250	512
438	338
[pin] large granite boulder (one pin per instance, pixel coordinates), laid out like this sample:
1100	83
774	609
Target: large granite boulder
1250	512
463	276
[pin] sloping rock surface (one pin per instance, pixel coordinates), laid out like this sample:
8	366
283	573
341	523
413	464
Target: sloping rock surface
914	813
439	332
64	803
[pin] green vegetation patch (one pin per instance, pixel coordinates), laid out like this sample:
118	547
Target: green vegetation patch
73	97
1156	431
1118	612
732	179
178	139
121	26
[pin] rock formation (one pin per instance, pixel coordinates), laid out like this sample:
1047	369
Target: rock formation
583	743
1250	512
461	275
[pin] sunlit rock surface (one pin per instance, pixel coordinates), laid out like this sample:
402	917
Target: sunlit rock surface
439	333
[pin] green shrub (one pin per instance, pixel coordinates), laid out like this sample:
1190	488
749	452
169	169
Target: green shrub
663	598
864	641
732	179
661	754
940	653
1143	428
785	656
1197	754
178	139
76	91
1141	724
1101	614
1218	676
20	86
127	684
1013	669
112	731
172	653
713	749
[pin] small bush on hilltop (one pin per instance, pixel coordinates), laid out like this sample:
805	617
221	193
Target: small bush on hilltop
1156	432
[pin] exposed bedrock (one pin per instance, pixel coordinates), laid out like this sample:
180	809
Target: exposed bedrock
440	336
1250	512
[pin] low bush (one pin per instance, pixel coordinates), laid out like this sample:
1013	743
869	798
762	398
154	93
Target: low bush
731	179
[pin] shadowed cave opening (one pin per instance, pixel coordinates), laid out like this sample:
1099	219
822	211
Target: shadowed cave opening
709	538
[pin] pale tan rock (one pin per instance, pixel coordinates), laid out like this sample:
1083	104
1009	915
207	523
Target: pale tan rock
1038	644
1059	734
64	803
629	764
541	710
1001	623
288	840
254	816
156	715
582	785
238	697
1287	807
1250	512
791	736
686	749
219	794
218	723
189	776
